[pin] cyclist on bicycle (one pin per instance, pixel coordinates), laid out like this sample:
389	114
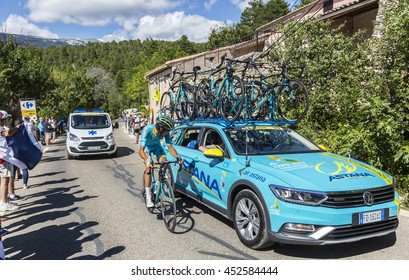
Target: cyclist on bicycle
150	143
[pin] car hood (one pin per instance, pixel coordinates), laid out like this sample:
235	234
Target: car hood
317	171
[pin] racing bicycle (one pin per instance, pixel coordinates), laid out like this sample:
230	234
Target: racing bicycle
178	100
224	97
162	192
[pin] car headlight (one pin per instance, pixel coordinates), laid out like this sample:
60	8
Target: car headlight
74	137
110	136
298	196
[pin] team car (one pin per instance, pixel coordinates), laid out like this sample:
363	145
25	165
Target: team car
278	186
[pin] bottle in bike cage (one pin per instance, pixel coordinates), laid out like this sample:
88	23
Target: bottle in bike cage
155	185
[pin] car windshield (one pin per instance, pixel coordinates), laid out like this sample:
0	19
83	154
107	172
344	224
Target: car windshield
84	121
257	140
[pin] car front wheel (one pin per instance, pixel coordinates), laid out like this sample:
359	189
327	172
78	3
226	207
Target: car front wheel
69	156
250	220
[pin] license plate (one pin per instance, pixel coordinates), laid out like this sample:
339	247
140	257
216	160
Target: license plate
371	217
94	148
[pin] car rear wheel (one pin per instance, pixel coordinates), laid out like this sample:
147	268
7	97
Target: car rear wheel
250	221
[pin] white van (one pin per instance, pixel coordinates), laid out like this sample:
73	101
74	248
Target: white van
90	133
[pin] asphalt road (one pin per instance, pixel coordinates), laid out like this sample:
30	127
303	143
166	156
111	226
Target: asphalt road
91	208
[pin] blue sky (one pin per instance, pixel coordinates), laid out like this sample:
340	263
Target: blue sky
109	20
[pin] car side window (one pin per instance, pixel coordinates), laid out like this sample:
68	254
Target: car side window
212	139
190	138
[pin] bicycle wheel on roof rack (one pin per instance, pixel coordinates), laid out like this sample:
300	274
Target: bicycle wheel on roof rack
167	104
185	105
231	99
292	101
202	104
168	205
255	109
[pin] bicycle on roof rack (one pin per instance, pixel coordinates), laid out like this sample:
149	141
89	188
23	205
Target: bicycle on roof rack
223	99
284	99
177	103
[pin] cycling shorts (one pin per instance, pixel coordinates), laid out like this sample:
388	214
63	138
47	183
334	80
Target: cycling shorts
157	151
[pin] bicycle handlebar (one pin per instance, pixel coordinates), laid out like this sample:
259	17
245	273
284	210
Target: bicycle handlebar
223	58
166	162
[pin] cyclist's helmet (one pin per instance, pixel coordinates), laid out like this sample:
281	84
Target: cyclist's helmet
165	122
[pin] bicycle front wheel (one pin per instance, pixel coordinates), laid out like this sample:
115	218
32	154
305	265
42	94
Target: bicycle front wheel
231	99
168	205
292	101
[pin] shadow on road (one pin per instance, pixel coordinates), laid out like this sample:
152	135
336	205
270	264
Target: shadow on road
56	242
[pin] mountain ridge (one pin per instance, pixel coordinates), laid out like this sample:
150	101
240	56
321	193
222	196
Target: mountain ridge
27	40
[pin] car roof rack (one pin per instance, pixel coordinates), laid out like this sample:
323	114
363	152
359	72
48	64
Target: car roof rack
227	124
93	110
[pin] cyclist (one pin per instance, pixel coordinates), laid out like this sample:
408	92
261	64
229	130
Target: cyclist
150	143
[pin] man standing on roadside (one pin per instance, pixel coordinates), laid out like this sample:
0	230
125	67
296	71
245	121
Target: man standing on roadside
48	131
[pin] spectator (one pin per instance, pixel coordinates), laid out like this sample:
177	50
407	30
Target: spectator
40	127
6	168
53	123
31	133
48	131
144	122
137	128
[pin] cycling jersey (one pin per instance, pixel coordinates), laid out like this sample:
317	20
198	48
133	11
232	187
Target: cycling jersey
152	142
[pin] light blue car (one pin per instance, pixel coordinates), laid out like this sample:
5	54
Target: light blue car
277	186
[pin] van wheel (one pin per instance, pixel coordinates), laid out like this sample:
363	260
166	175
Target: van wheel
69	157
115	154
250	221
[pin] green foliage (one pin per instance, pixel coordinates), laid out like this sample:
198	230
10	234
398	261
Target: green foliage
252	17
303	3
23	75
358	89
105	75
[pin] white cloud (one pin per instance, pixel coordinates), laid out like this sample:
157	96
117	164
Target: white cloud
173	25
209	4
16	24
93	12
119	35
241	4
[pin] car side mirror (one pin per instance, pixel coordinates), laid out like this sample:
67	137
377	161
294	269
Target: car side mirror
116	125
213	153
323	147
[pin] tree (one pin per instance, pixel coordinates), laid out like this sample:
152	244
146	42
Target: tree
359	99
23	74
304	3
252	17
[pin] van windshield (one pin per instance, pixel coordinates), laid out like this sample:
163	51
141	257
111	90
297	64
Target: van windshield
90	121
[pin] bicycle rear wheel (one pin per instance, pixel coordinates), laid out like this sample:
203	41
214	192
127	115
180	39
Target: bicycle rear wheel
185	104
202	104
292	101
231	99
167	105
168	205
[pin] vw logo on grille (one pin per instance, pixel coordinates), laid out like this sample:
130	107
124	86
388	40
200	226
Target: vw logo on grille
368	198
